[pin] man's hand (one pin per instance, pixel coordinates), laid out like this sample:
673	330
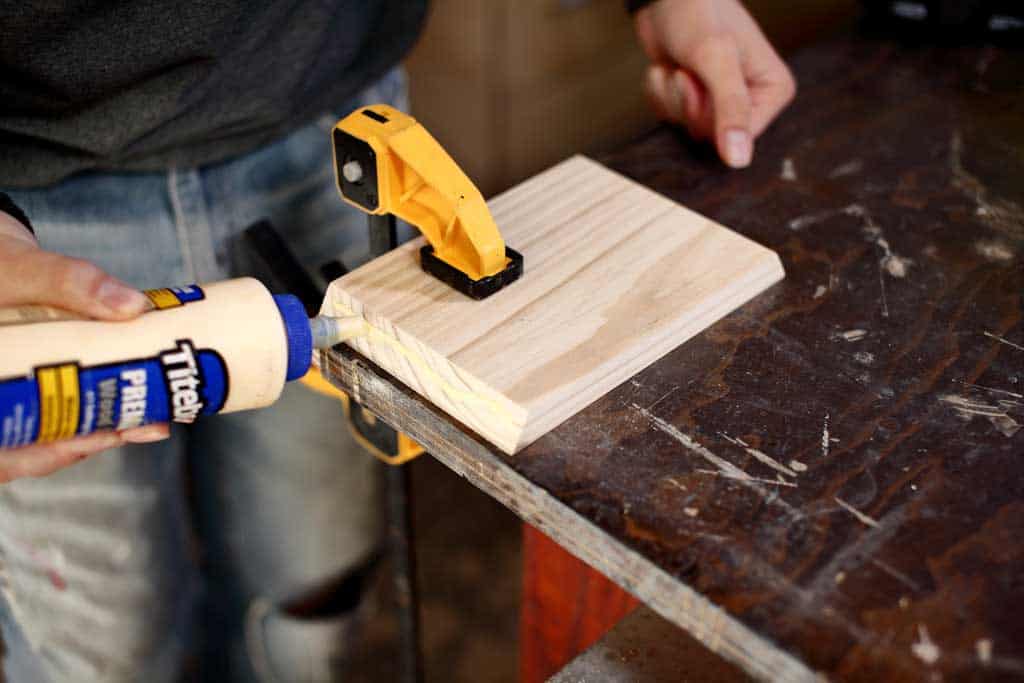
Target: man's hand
714	72
29	275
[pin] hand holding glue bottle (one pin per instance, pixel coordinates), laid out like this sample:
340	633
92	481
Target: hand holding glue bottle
88	363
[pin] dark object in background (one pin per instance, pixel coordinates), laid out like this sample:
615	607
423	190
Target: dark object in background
283	268
999	21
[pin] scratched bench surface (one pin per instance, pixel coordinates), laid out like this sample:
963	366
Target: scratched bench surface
840	464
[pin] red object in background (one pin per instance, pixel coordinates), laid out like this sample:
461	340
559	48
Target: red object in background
566	607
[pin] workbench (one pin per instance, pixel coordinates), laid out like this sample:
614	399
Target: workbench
872	400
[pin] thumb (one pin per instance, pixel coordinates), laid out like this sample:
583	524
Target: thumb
30	275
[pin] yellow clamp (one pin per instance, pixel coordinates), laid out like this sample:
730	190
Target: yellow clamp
407	448
386	162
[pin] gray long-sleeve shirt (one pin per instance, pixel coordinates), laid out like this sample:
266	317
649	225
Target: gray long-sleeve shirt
148	84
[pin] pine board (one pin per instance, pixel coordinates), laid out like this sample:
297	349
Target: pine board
615	277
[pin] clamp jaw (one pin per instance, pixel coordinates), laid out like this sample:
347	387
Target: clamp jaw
387	163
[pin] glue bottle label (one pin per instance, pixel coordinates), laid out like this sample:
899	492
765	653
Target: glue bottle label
173	297
63	400
219	348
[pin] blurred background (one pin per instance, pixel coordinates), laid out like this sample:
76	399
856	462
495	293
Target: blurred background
510	87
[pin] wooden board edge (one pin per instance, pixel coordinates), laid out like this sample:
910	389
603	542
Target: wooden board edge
449	387
473	459
497	418
770	273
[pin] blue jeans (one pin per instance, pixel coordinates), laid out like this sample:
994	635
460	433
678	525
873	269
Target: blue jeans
100	563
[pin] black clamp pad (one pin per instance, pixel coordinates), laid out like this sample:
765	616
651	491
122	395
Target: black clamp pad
475	289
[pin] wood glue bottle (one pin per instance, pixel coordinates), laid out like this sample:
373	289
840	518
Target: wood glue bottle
207	349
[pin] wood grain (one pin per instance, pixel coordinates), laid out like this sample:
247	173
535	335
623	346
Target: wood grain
888	363
901	397
480	463
616	276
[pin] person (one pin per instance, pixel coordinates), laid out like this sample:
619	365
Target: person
714	72
139	140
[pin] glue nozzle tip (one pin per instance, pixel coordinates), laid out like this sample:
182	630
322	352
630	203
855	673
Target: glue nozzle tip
329	331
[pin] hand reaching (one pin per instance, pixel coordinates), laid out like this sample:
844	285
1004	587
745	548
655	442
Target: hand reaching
714	72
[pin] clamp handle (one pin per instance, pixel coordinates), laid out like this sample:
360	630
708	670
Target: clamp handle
386	162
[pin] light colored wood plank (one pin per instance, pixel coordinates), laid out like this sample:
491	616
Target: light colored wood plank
615	277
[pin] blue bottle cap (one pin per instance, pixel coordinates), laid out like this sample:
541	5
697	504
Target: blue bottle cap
298	334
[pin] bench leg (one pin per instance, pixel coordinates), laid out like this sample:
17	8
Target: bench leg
566	607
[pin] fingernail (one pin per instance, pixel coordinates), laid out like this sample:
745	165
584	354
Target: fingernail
146	434
121	298
738	148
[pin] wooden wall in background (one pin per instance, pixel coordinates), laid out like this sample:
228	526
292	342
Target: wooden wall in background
791	24
510	87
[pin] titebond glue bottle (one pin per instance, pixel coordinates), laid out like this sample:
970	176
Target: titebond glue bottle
207	349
